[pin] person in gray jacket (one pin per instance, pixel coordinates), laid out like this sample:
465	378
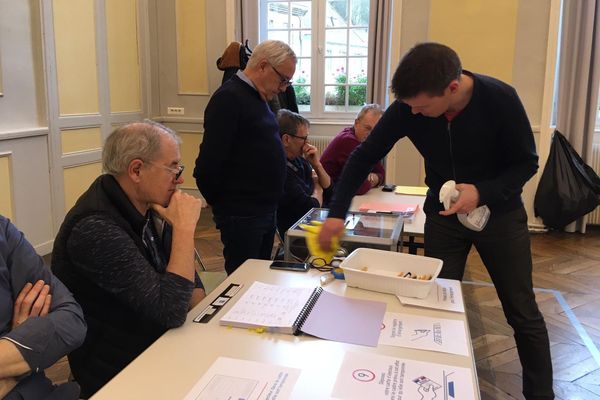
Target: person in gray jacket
40	322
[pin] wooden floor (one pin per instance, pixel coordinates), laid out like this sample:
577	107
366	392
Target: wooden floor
567	281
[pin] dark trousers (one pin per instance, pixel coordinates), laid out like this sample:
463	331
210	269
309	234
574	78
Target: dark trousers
245	237
504	247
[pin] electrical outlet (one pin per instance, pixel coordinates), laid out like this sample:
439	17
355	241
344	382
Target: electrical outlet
175	110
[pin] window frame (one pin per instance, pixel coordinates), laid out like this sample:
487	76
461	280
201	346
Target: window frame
317	86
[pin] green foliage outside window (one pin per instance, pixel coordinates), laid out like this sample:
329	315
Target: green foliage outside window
357	95
302	93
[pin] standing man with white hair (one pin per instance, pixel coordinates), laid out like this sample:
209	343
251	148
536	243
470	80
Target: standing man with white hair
241	166
126	251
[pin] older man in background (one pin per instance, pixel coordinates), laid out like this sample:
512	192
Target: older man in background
241	166
337	153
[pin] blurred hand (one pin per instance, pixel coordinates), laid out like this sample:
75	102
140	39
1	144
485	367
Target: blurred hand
467	201
182	212
373	179
311	154
34	300
331	227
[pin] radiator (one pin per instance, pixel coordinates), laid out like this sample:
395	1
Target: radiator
594	216
320	142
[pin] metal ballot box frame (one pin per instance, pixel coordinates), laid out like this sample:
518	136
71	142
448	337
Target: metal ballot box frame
363	230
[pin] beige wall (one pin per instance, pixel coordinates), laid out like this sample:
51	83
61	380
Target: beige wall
507	39
24	178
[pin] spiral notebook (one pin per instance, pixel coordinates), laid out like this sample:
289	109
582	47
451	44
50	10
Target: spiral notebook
313	311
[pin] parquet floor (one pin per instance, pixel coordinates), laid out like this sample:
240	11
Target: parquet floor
567	281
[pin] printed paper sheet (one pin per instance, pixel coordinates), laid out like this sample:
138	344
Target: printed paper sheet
230	378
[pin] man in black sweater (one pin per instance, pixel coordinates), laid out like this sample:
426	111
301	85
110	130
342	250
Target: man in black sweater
126	251
241	166
472	129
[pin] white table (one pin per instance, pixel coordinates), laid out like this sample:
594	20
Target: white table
175	362
412	229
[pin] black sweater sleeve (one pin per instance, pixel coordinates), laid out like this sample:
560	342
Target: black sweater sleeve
106	255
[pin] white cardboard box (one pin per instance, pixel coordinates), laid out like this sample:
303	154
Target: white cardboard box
379	270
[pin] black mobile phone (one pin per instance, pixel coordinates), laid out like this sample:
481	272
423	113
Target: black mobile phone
290	266
388	188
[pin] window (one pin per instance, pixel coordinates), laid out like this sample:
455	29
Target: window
331	40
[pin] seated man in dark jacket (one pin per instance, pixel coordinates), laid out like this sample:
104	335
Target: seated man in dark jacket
126	250
307	185
40	322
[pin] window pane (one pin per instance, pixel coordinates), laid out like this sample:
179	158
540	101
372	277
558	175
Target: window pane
335	70
302	97
357	95
300	43
303	69
359	13
278	35
335	98
359	42
277	15
336	42
336	13
301	15
357	70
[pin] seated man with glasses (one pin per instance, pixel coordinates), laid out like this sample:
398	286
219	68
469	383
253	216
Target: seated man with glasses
126	251
307	185
337	153
240	169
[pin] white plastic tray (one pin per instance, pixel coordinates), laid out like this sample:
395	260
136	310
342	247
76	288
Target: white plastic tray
378	270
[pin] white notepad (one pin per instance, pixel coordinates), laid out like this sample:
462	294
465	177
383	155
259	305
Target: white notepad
312	311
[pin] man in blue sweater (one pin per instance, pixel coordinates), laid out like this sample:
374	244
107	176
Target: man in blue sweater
307	184
241	166
472	129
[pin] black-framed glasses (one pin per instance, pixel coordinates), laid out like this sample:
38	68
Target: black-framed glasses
303	138
177	171
283	80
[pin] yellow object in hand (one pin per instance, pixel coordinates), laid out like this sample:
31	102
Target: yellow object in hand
312	242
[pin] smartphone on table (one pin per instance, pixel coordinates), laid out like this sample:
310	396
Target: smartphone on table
290	266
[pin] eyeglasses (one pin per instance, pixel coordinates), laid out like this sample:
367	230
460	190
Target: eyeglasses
177	171
283	80
303	138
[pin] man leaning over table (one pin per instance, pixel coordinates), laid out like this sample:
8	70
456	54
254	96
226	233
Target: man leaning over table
40	322
472	129
126	251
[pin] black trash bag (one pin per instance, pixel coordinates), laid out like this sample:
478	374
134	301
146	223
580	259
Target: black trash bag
568	189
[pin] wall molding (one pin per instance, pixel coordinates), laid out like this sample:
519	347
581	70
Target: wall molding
24	133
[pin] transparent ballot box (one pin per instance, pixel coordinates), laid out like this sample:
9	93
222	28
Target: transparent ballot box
363	230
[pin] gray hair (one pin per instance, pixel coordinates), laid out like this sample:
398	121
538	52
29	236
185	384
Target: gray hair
274	51
137	140
289	122
376	108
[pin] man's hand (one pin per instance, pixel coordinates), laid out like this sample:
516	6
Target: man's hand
373	179
468	200
182	212
33	301
311	154
331	227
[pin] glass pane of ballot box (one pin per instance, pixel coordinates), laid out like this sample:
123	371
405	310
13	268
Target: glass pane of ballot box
371	230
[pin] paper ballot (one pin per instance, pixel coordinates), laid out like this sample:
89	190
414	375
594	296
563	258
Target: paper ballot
424	333
229	378
445	295
376	377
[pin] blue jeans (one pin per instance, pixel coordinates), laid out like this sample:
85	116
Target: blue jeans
245	237
505	249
